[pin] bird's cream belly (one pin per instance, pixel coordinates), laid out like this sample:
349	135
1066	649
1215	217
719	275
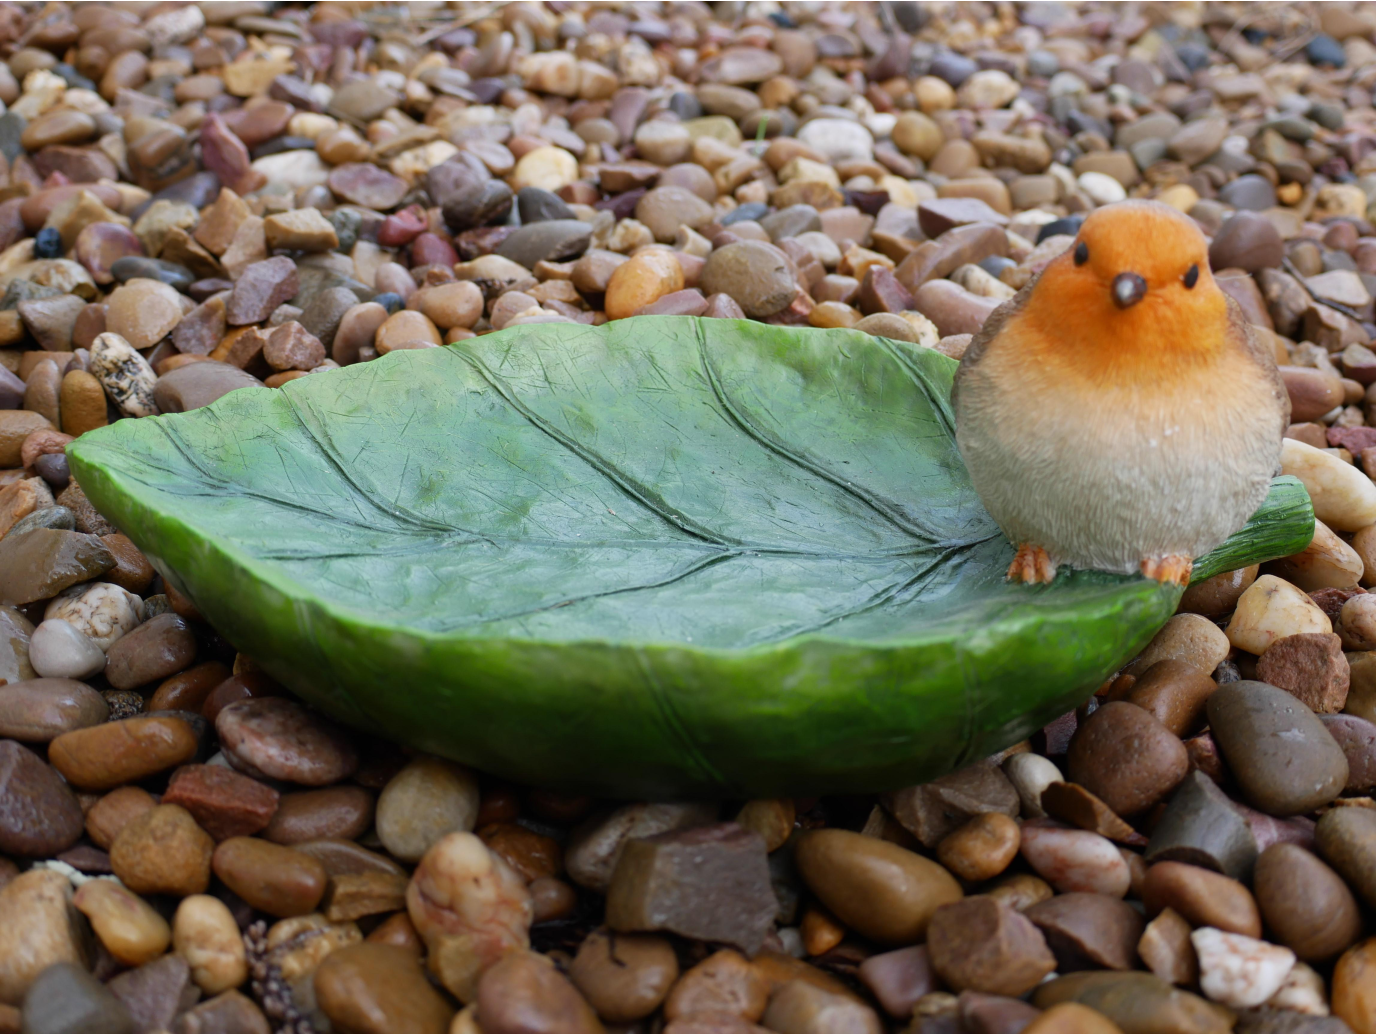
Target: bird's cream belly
1103	480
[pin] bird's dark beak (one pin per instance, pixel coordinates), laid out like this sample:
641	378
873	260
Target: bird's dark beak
1128	290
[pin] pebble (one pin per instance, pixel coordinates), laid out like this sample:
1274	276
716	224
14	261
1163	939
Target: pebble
1239	971
1305	904
1075	860
272	878
337	812
1344	499
1346	839
755	274
205	934
142	312
151	652
1030	775
1281	755
644	279
724	983
1167	951
153	992
624	977
101	611
127	926
41	709
980	849
1127	758
1088	930
595	846
1202	826
224	803
162	851
259	289
377	989
426	800
979	944
39	815
801	1008
61	651
280	739
470	908
524	991
1354	987
1136	1001
708	882
1202	897
65	999
880	890
1246	240
40	930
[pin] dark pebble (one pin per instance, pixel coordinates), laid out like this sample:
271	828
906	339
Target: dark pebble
1068	226
47	243
132	266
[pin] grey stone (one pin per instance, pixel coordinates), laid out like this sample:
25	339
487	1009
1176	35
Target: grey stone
537	205
321	318
1280	753
65	999
551	241
791	221
156	992
1201	827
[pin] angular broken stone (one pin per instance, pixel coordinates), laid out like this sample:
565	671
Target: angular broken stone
1202	827
932	810
710	883
261	288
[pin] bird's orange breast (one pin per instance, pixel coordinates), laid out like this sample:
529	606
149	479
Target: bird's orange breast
1071	325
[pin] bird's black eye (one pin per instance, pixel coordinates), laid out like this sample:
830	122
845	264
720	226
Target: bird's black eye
1191	276
1081	253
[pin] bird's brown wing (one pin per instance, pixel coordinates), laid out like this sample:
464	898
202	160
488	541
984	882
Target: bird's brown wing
1263	356
993	326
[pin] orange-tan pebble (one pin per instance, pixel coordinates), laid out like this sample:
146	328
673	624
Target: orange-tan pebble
1354	987
448	306
644	278
126	924
982	848
205	935
833	314
402	327
81	401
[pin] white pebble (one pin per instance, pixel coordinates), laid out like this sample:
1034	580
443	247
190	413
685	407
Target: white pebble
101	610
1272	609
838	139
1239	971
1344	498
1102	188
1301	991
1030	774
59	651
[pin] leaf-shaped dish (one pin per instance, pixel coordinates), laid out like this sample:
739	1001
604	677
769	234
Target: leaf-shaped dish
664	556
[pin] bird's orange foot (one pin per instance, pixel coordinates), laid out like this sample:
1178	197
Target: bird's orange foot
1032	565
1174	569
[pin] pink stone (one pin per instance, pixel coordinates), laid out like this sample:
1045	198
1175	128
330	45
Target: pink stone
98	245
1075	859
402	227
224	154
689	302
363	183
430	249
